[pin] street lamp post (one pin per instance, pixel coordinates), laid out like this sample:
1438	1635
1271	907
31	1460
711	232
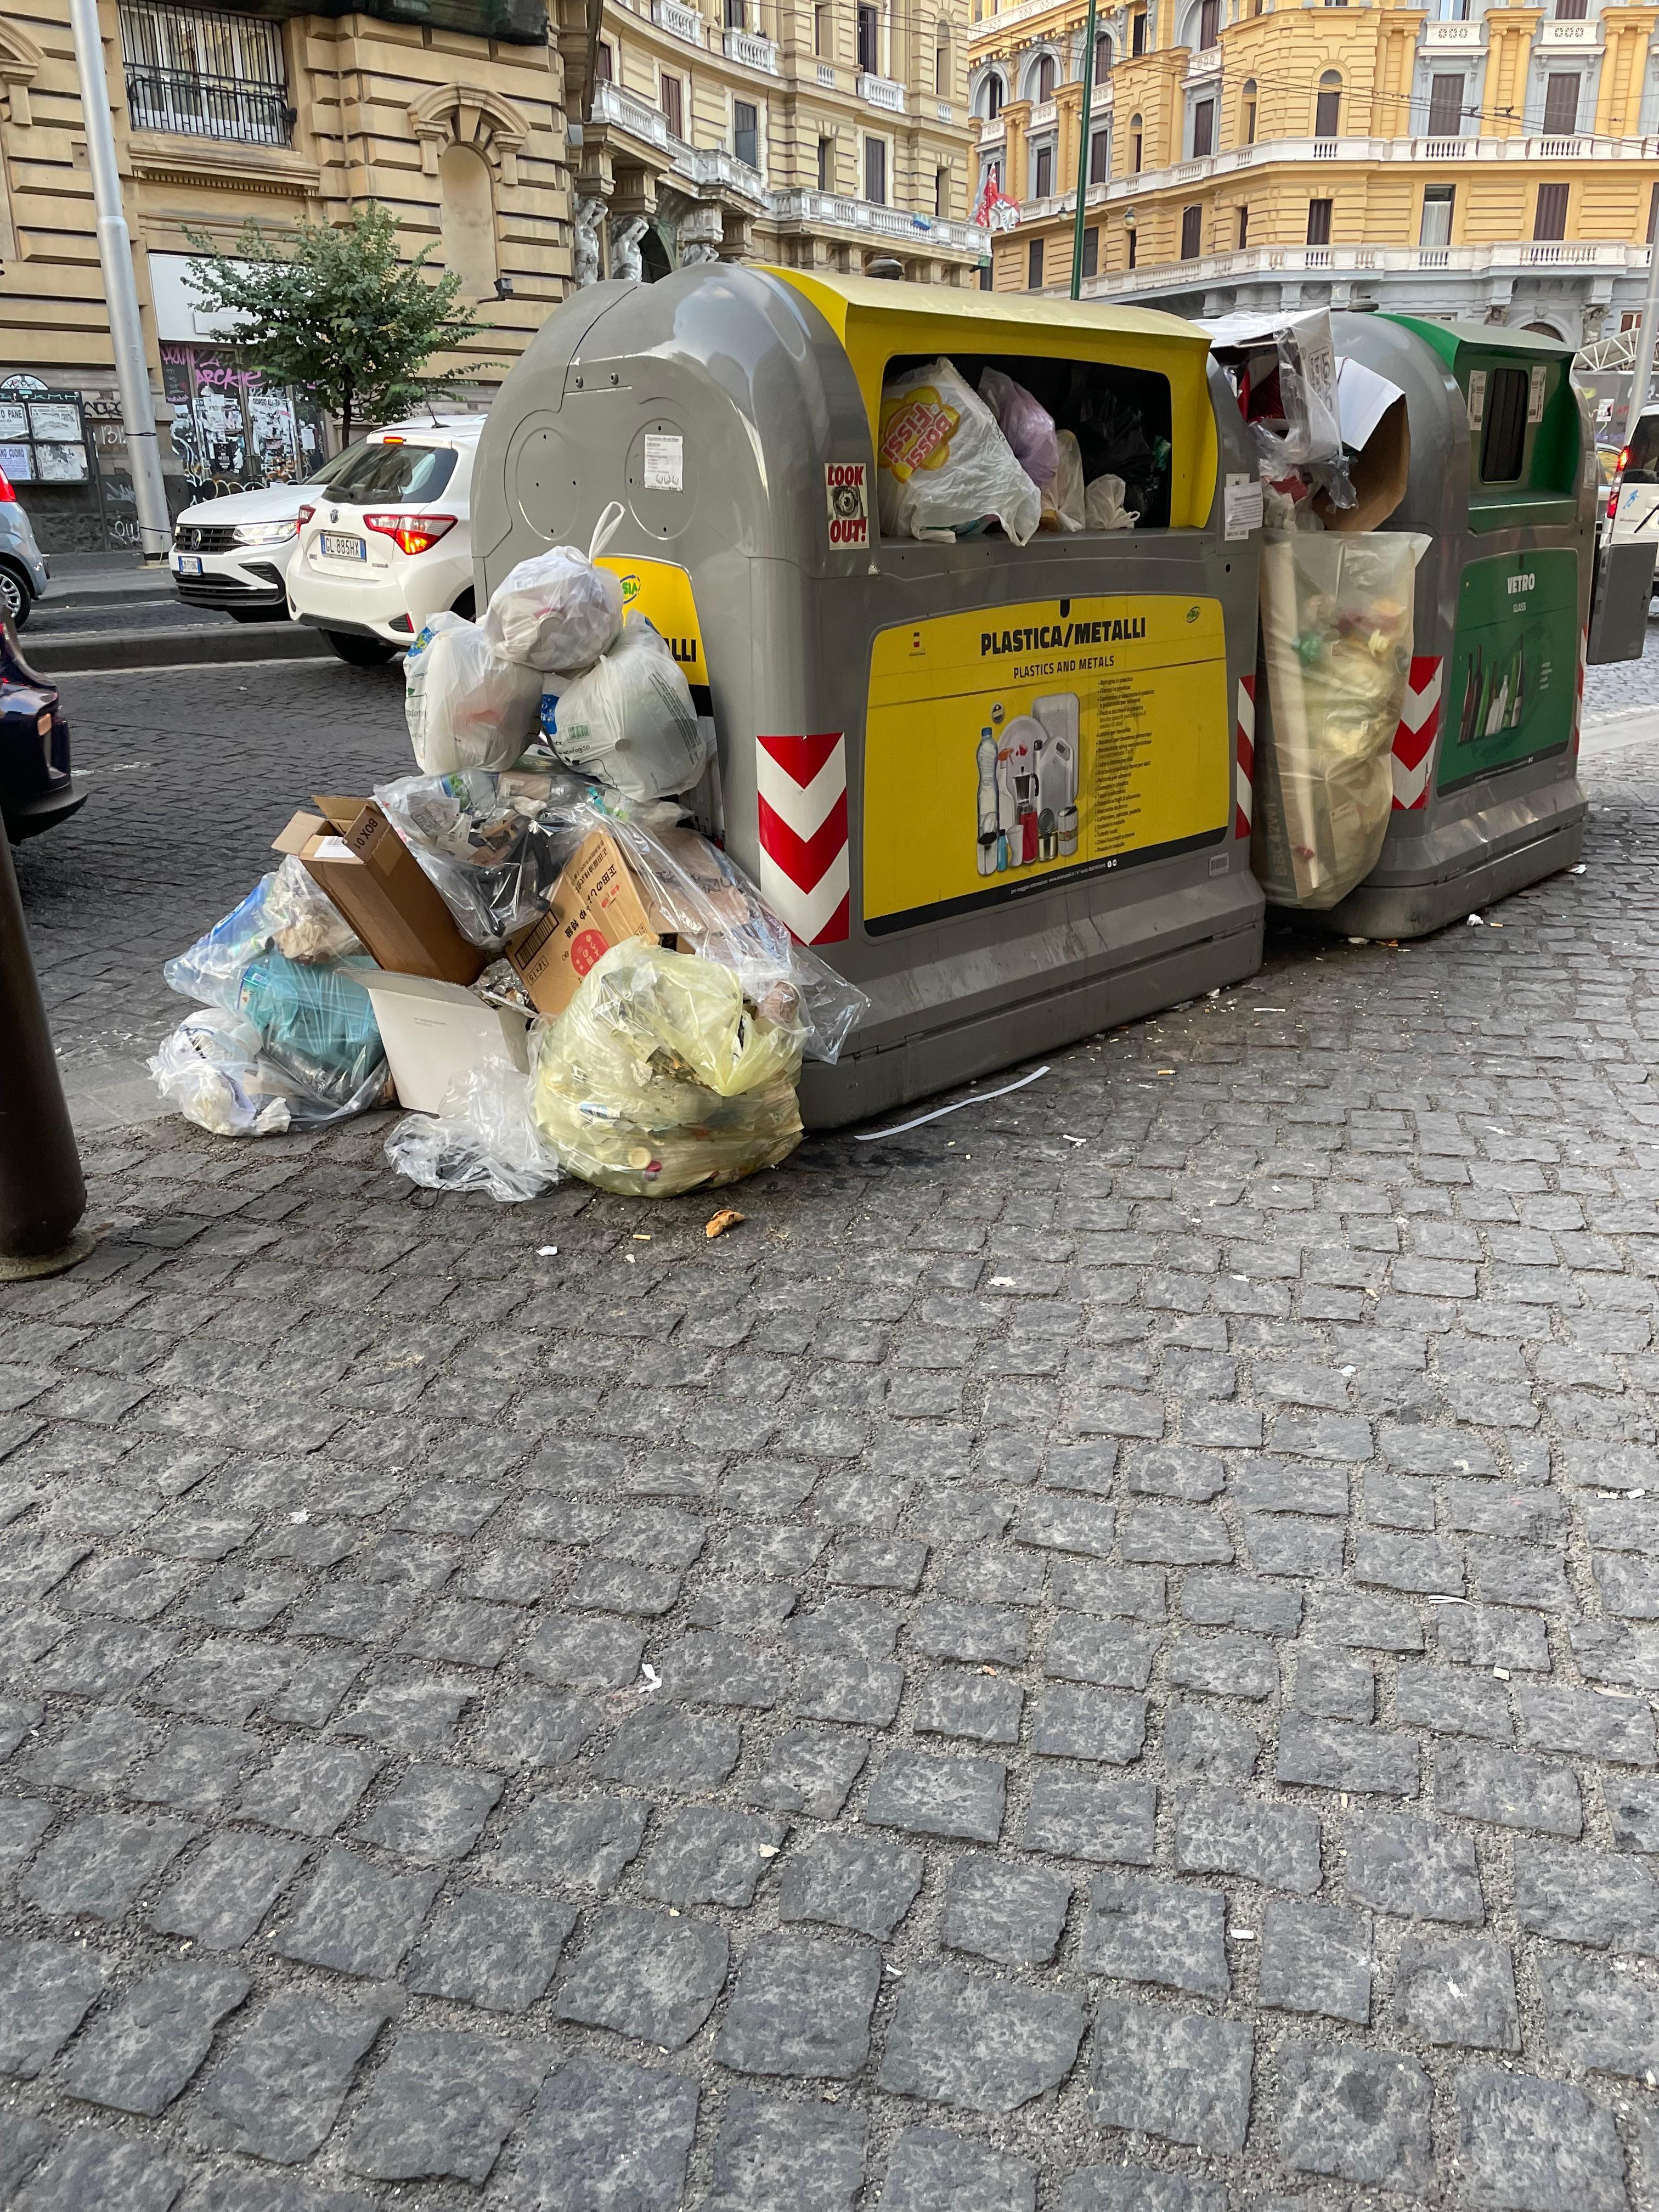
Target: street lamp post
1083	151
115	259
1646	338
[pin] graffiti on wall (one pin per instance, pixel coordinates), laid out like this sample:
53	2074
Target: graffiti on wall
232	430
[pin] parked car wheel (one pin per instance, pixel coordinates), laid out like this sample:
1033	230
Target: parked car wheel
16	598
359	652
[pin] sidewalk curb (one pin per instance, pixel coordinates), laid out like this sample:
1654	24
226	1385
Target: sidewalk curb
118	650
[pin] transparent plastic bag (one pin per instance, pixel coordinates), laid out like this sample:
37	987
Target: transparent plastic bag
658	1079
1336	642
1024	423
942	464
712	905
557	611
629	720
211	971
304	922
483	1138
1103	507
212	1070
317	1028
1064	506
492	844
467	705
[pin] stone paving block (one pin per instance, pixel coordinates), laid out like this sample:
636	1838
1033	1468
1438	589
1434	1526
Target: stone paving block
411	1712
1632	1802
1457	1992
665	1749
441	2106
1081	1649
585	1653
801	2007
1488	1636
1175	1536
982	1635
356	1917
92	1754
583	1843
1316	1958
1607	2023
983	1708
1596	1898
1178	2075
138	2056
646	1974
278	2091
810	1769
1087	1723
309	1788
196	1768
1579	1723
223	1682
770	2154
1203	1744
607	2136
23	1821
1224	1831
932	2170
225	1891
521	1728
1138	2189
1360	2115
713	1669
1165	1932
1059	1522
1075	1816
92	2170
494	1951
1322	1755
45	1991
1416	1869
997	1909
94	1867
932	1793
1335	1688
1509	1788
850	1881
1224	1666
435	1813
1453	1703
1524	2145
847	1687
22	2147
1115	1593
705	1855
979	2046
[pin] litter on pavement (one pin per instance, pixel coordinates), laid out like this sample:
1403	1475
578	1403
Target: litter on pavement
531	942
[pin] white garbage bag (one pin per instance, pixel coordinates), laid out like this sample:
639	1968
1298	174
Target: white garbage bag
211	1068
1103	507
557	611
943	466
467	704
483	1137
1064	505
629	721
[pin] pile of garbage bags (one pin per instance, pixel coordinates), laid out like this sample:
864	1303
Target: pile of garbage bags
951	461
287	1037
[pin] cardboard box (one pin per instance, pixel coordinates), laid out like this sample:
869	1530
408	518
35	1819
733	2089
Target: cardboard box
359	859
597	902
1377	432
434	1033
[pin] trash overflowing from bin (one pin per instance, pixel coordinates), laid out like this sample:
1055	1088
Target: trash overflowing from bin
528	942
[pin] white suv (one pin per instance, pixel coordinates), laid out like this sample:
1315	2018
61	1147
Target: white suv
1636	488
231	553
384	543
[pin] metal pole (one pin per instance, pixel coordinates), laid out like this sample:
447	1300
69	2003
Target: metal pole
42	1194
1647	338
1083	152
115	259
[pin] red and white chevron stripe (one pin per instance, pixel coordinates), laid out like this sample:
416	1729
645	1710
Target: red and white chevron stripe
1414	736
804	871
1244	808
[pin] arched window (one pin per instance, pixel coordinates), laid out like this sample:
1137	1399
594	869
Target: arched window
1137	143
1328	108
1103	56
942	62
467	221
1247	111
987	100
1043	83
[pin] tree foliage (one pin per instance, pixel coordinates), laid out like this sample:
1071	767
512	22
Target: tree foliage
335	312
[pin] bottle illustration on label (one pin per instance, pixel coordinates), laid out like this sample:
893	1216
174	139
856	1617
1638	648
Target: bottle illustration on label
1026	769
989	825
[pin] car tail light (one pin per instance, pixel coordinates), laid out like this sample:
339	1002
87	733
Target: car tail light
303	516
6	491
410	533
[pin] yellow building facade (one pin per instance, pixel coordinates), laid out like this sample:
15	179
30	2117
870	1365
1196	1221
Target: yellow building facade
1493	161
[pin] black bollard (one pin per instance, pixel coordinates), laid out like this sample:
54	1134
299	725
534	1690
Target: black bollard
43	1194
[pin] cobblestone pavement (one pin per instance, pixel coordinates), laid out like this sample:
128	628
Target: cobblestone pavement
1098	1655
1624	687
98	618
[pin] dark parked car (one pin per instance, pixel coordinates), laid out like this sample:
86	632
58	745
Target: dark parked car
36	786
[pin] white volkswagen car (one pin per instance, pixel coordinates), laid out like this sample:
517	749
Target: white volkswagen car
384	543
231	553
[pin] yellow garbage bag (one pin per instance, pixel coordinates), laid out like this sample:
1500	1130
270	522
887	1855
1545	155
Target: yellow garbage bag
658	1078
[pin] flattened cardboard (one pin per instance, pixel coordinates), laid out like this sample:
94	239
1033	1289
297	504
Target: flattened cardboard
436	1033
382	890
597	902
1379	472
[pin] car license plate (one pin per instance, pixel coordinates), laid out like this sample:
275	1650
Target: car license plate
343	549
188	565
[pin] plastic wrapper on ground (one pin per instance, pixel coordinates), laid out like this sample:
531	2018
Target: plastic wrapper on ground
492	844
716	909
484	1138
210	1069
557	611
943	466
629	720
1336	642
318	1030
658	1079
468	706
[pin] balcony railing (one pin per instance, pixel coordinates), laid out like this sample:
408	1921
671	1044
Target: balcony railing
923	233
881	92
684	22
754	54
1325	262
200	74
637	117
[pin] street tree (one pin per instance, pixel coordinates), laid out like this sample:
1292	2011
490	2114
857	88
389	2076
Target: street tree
334	311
